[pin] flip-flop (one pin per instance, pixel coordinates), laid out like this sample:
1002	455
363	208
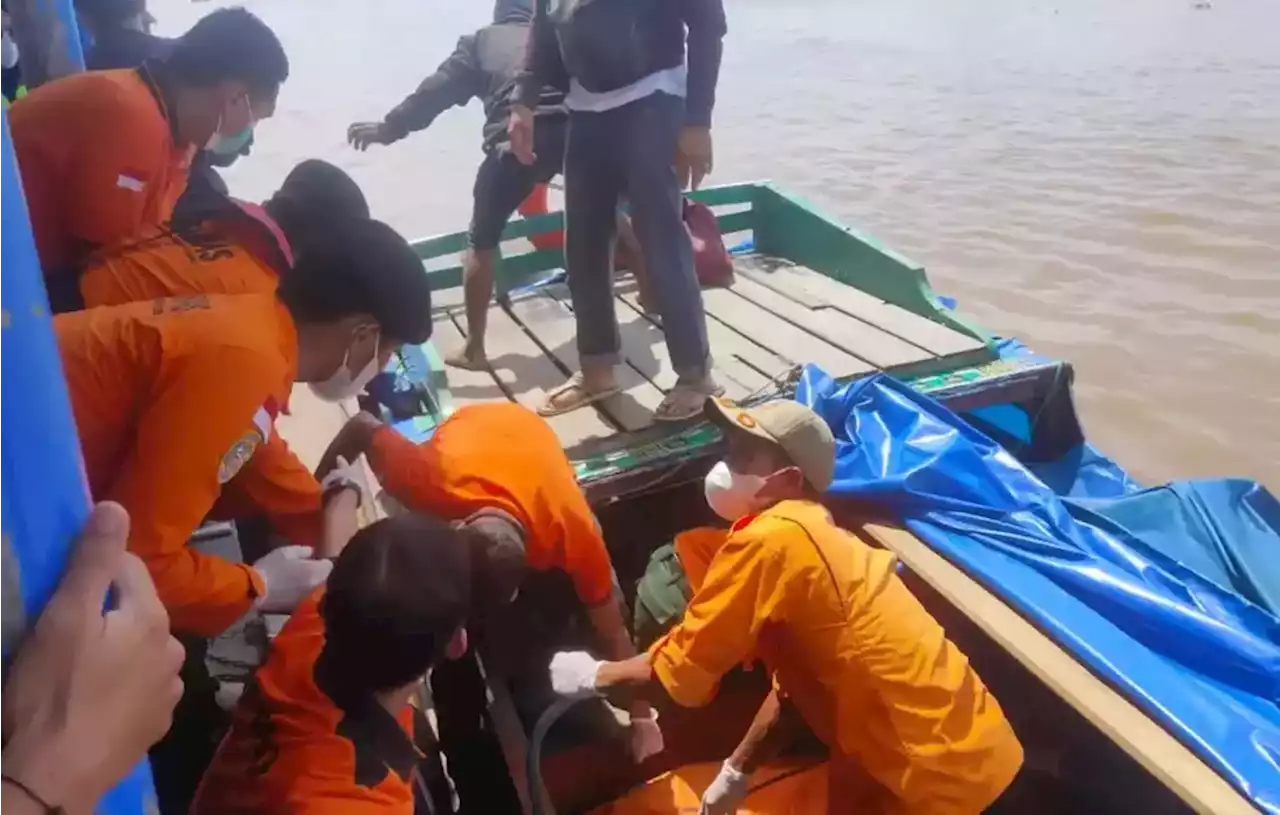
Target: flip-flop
684	402
553	406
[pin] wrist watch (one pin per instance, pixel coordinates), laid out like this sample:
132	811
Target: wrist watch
337	483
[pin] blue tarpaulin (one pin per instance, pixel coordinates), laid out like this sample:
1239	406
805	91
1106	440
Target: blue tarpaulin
1163	626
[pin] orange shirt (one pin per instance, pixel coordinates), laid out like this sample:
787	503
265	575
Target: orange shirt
171	397
502	456
870	671
292	750
231	256
225	255
98	160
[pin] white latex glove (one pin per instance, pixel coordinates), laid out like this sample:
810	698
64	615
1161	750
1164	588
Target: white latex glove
343	476
573	673
646	738
726	792
289	574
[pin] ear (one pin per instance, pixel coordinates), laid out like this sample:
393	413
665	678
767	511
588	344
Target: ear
786	483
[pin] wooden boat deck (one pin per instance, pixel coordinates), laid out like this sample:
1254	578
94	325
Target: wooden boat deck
776	316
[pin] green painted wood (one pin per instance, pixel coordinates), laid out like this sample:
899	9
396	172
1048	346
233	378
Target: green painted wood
513	272
792	228
741	193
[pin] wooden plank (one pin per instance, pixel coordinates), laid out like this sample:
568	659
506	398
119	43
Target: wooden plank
529	374
466	387
790	343
1137	734
740	380
552	324
644	347
881	349
816	290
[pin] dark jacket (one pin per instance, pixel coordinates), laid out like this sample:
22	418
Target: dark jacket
486	65
661	30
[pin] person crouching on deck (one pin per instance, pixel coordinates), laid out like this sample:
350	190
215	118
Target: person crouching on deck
173	397
240	248
500	468
231	247
106	154
327	726
909	723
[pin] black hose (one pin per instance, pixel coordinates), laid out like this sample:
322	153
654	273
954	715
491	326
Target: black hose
533	760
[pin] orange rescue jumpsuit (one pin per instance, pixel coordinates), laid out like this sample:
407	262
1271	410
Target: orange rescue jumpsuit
99	162
872	674
171	398
502	456
230	256
292	749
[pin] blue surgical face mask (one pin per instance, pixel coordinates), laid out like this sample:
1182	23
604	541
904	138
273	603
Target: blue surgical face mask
222	144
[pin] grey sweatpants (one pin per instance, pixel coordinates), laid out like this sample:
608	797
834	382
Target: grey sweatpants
631	151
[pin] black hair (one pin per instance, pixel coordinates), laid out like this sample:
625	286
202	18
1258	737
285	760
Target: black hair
315	194
229	44
498	558
360	267
397	595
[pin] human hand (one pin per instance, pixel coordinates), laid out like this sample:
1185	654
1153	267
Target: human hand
289	574
573	673
350	443
343	476
693	156
727	791
88	692
362	134
646	736
520	132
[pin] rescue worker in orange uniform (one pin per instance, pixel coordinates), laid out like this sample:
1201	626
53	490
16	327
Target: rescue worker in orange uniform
499	467
327	725
910	726
233	248
172	397
105	154
240	248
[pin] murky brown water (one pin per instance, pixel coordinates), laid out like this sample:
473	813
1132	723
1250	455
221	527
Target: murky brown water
1099	178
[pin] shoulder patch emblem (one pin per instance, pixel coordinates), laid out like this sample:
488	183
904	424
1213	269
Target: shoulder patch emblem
239	453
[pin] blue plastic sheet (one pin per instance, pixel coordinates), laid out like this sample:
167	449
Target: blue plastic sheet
45	500
1202	659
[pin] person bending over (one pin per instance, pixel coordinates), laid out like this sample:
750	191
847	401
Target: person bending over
485	65
105	154
326	725
499	468
174	396
909	723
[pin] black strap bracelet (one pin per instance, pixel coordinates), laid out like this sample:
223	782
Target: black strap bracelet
30	793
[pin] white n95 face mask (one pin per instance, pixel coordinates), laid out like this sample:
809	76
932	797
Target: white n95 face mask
343	384
731	495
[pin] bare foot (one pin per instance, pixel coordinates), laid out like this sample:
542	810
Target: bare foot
468	359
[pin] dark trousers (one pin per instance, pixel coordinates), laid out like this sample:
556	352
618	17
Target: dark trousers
10	78
630	151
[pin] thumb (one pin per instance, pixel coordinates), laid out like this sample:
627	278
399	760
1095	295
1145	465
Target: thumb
99	553
295	552
342	463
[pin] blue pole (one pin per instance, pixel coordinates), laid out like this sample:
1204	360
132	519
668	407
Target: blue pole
43	495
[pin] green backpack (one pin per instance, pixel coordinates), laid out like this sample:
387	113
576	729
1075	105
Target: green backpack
661	596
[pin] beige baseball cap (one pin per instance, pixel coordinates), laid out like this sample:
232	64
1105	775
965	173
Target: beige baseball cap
801	433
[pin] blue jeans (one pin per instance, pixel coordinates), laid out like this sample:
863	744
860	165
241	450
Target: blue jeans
631	151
